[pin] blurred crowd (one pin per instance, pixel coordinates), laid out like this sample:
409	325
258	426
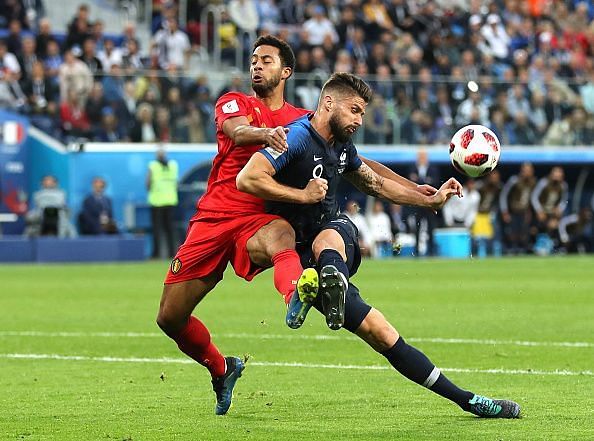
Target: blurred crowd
525	214
524	68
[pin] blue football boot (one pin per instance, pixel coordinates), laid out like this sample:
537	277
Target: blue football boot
489	408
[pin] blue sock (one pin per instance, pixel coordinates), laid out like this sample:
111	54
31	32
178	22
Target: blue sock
333	257
415	366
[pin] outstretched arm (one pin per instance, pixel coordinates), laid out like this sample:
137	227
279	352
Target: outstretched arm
256	178
368	181
388	173
242	133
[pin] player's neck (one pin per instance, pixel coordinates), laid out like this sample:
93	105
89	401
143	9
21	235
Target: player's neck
320	123
274	101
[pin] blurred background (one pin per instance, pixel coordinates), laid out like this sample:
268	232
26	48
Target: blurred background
91	93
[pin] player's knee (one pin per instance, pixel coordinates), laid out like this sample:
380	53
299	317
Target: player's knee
169	322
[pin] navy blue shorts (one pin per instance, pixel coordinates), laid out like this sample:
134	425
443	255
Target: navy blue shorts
355	307
350	235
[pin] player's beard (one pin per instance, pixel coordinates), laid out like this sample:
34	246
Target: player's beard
340	133
266	87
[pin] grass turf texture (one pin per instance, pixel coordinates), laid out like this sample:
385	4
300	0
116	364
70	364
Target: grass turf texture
538	300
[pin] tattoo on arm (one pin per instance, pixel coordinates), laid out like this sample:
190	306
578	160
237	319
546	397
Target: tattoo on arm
366	180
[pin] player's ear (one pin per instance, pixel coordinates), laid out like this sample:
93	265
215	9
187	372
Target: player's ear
328	103
286	73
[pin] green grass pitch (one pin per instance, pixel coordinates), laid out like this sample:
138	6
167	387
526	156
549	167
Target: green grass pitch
81	357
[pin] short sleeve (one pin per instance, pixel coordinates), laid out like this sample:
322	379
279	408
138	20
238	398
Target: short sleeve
354	160
230	105
297	141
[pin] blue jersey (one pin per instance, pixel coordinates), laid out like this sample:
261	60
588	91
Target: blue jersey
310	156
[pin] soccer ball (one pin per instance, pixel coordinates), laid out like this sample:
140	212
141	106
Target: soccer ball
474	150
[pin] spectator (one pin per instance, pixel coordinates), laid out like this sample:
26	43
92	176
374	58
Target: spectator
144	129
381	229
549	199
74	77
462	212
44	36
244	13
97	35
96	215
13	39
377	124
268	14
376	14
486	229
53	61
75	121
79	30
576	232
113	85
162	197
516	213
110	130
41	92
496	38
8	61
95	104
89	57
131	60
27	58
318	27
11	94
521	130
365	237
587	94
49	215
424	173
110	55
172	45
472	111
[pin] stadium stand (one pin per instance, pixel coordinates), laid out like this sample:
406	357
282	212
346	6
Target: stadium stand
524	68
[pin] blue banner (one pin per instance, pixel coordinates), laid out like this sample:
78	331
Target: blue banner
13	172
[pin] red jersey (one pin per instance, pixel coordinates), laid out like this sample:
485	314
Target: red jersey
221	193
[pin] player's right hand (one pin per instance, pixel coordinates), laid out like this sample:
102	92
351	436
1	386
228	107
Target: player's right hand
449	188
315	191
276	138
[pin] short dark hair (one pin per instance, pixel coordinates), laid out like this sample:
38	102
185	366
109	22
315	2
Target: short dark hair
286	54
347	83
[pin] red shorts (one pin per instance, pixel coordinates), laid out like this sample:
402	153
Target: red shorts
213	240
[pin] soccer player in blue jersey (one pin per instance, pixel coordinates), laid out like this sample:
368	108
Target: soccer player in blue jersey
321	149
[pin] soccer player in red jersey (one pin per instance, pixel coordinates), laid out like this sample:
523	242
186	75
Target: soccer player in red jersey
230	226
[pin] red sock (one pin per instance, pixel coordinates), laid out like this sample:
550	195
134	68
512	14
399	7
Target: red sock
194	341
287	269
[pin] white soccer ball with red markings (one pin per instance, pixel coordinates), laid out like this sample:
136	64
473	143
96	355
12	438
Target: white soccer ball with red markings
474	150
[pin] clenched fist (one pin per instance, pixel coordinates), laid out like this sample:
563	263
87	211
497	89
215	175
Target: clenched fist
315	191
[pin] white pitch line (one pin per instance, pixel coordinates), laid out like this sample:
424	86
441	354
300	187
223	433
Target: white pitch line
169	360
296	336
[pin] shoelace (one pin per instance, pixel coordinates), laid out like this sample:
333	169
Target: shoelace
486	406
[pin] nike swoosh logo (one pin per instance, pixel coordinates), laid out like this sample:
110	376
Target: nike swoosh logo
316	158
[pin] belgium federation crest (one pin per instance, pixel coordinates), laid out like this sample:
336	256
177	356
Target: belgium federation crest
176	265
